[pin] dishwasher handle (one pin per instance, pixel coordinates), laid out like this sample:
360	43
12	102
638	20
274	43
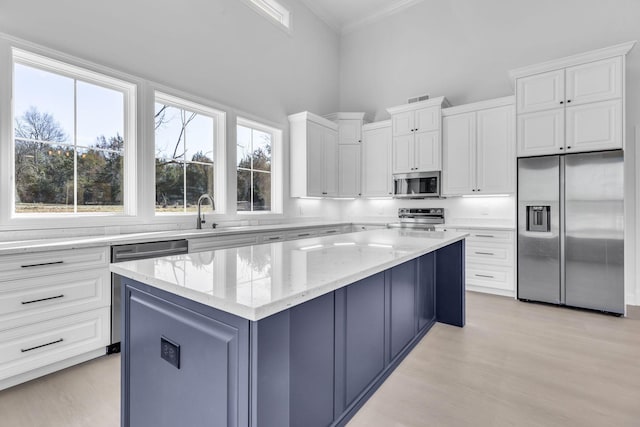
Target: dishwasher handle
149	254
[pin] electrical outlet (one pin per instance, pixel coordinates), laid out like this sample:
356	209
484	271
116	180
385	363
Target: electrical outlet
170	351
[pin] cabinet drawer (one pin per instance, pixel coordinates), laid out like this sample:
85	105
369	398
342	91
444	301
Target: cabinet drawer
34	300
213	243
490	276
51	262
301	234
31	347
486	236
496	253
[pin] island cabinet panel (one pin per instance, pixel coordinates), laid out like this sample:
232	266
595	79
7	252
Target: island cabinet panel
426	284
206	387
450	279
403	302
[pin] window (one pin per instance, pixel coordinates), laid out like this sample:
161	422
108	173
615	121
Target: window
186	136
275	10
256	149
71	132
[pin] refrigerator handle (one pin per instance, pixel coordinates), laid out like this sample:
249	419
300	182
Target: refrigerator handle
563	283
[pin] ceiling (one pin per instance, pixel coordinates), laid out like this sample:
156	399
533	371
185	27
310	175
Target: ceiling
347	15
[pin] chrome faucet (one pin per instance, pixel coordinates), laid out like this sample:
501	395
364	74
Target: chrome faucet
200	219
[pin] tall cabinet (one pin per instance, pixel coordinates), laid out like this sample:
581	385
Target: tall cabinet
572	105
479	148
349	152
376	159
314	156
416	136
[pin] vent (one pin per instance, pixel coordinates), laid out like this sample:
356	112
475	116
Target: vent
418	98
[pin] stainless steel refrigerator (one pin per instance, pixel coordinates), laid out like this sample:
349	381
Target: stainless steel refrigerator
570	230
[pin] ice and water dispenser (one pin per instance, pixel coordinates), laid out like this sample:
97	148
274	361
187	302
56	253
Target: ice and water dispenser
539	218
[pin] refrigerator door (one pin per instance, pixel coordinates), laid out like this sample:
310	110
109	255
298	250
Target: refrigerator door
539	229
594	240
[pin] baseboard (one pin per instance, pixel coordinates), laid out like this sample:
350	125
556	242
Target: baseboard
492	291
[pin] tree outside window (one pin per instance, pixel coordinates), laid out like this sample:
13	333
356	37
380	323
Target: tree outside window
184	142
254	147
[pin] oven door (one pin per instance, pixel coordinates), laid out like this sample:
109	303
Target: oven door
416	185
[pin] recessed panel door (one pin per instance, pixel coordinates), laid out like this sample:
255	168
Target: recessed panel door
541	133
403	150
540	92
330	151
595	81
427	151
459	154
596	126
315	168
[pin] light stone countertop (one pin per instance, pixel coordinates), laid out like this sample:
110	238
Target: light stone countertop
39	245
257	281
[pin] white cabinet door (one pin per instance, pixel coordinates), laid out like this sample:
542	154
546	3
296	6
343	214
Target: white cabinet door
349	170
459	154
403	123
596	126
427	151
330	152
349	131
315	156
595	81
427	119
403	152
376	162
496	159
541	133
540	92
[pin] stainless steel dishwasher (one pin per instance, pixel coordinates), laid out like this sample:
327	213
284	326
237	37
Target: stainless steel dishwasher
132	252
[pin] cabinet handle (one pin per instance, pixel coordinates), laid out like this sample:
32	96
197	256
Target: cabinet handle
485	275
331	231
484	235
42	299
324	192
485	253
273	238
304	235
24	350
41	264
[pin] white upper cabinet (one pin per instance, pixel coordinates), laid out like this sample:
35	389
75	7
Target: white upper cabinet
416	145
376	160
314	156
349	170
574	104
540	92
595	81
479	148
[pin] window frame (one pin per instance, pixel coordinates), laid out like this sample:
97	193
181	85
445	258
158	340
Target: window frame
275	11
277	189
184	101
30	55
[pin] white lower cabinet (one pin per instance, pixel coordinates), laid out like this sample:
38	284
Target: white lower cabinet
490	260
54	311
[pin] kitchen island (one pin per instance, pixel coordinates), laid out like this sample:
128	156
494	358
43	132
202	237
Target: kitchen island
297	333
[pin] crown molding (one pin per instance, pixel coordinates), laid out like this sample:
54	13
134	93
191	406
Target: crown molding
308	116
569	61
439	101
324	15
481	105
396	7
377	125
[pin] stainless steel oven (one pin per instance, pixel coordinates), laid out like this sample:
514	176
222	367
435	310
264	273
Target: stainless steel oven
416	185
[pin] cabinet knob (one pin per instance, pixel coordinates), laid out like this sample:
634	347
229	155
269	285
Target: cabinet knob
359	140
561	102
568	147
473	189
478	189
568	101
561	148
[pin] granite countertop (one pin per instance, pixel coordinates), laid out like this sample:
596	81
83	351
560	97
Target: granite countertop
257	281
37	245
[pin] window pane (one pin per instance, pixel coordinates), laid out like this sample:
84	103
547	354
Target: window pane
261	150
199	139
244	191
100	113
169	186
169	132
199	182
42	104
244	147
44	178
100	181
261	191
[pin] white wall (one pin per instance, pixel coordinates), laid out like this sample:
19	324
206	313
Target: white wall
463	49
220	50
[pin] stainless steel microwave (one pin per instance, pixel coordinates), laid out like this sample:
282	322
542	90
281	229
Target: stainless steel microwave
416	185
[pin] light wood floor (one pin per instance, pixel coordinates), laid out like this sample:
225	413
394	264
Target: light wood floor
514	364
